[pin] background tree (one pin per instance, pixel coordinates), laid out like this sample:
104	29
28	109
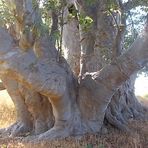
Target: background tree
79	102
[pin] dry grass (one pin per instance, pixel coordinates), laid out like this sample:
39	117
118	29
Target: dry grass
138	138
7	110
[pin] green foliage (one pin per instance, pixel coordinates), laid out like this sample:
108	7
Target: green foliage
51	4
140	2
129	38
6	13
46	8
112	8
73	13
135	22
57	35
89	146
85	22
101	146
90	2
42	30
112	5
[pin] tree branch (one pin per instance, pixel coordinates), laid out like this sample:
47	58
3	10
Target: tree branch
54	27
127	64
110	78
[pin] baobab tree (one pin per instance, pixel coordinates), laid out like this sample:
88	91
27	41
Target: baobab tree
55	97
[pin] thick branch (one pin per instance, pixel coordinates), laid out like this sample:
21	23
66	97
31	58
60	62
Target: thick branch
113	75
101	86
54	27
71	42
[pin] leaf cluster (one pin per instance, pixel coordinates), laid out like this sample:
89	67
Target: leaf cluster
6	13
85	22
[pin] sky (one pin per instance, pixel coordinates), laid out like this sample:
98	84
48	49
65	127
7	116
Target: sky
141	85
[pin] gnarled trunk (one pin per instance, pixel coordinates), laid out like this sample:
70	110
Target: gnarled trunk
100	44
60	86
45	91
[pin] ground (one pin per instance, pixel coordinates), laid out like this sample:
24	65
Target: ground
138	138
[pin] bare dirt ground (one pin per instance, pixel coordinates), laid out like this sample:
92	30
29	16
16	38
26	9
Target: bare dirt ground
137	138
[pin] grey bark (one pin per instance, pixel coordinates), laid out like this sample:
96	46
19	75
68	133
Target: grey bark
71	42
98	86
34	112
100	44
58	77
40	77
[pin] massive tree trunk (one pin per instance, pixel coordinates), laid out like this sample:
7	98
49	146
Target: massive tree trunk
100	44
45	91
34	111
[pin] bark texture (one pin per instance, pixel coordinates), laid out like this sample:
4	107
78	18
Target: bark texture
47	76
100	44
45	91
56	82
71	42
34	112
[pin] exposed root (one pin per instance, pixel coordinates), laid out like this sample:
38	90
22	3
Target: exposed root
124	106
5	132
21	129
15	130
115	122
54	133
